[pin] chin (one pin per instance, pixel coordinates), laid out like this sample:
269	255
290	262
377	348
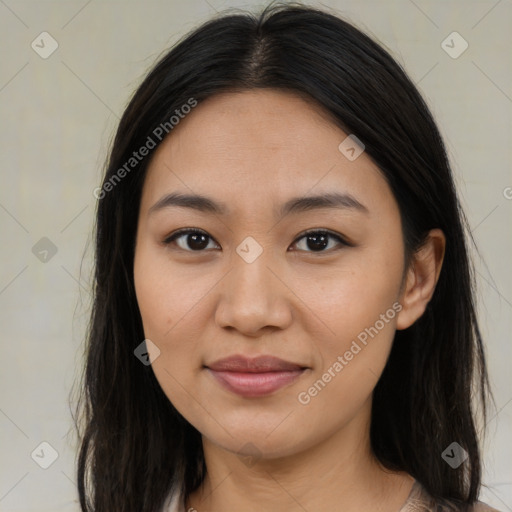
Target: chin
258	444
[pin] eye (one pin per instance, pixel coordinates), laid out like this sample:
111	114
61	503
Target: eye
318	240
195	239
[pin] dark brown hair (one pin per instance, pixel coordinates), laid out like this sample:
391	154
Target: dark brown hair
136	449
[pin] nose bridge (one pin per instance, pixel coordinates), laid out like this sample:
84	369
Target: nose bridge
251	271
252	297
252	281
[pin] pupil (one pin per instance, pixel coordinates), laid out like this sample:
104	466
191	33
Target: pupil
199	244
319	241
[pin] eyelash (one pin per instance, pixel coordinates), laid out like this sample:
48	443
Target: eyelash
188	231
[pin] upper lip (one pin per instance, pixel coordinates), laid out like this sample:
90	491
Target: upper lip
260	364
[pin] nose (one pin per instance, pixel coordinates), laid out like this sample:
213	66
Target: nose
253	298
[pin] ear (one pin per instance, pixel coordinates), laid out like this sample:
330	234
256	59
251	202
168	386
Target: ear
421	279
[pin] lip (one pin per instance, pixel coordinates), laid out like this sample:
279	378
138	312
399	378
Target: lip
254	377
260	364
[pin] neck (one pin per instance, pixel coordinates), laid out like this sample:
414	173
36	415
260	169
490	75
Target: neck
339	473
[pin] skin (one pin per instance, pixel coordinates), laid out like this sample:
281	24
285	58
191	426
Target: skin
253	151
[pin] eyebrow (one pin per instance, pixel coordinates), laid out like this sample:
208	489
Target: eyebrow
295	205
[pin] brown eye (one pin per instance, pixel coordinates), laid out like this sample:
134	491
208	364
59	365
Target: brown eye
196	240
192	240
317	241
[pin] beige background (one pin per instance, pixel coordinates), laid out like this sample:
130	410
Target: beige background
57	117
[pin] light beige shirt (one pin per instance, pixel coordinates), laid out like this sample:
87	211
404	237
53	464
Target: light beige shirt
418	501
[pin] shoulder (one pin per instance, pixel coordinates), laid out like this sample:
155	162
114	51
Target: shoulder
173	503
482	507
420	500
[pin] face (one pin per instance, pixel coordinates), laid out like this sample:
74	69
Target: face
265	272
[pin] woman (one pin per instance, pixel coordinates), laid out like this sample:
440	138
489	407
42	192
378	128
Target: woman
284	314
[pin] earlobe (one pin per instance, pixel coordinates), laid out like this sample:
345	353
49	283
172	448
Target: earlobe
422	277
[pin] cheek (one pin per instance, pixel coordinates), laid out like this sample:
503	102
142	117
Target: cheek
166	295
153	298
358	305
358	309
353	352
170	303
353	298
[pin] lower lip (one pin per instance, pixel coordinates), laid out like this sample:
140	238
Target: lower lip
255	384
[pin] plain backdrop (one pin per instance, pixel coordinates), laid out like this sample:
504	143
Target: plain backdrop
58	113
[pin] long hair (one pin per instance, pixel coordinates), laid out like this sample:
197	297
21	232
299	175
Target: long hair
136	449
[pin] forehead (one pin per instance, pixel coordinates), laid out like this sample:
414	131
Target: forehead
267	118
265	144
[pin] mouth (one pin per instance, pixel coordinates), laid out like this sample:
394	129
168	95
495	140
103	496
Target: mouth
254	377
